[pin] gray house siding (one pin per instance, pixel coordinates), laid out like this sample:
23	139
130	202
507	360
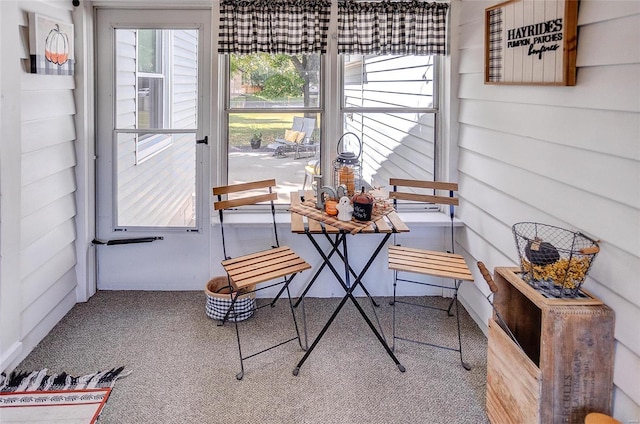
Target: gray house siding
394	144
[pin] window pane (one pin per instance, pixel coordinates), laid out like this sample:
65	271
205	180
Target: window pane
378	91
399	145
271	154
388	81
159	191
149	51
167	97
150	103
274	119
263	80
156	169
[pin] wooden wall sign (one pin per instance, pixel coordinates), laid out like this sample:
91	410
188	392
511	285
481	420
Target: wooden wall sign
531	42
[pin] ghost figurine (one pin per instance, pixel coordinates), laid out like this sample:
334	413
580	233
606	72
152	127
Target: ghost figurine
344	209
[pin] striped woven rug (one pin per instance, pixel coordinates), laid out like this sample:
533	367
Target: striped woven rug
20	381
30	397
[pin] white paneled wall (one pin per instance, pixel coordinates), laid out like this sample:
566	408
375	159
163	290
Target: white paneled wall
41	144
566	156
47	250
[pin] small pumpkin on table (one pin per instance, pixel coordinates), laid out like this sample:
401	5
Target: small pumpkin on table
330	207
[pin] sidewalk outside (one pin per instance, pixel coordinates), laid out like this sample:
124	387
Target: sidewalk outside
247	164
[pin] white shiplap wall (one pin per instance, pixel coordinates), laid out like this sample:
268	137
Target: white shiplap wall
43	288
566	156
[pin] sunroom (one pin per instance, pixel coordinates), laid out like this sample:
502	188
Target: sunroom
80	151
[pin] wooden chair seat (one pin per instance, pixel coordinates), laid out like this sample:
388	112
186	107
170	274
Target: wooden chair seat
266	265
427	262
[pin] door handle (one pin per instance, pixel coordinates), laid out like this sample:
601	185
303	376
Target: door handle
205	140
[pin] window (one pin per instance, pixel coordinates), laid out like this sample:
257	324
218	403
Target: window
389	102
151	101
381	86
156	110
274	118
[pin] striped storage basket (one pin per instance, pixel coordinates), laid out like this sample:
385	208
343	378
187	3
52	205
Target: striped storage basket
218	301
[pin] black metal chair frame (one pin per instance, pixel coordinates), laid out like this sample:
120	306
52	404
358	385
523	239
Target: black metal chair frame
273	255
454	303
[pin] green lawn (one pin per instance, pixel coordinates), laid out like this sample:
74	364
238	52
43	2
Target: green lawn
242	126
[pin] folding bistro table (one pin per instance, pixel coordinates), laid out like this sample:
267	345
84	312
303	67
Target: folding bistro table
306	219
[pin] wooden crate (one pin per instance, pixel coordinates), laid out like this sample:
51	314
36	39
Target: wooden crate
513	381
563	368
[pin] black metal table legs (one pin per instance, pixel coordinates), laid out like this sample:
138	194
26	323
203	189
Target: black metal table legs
345	282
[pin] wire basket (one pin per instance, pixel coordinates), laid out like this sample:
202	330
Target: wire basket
554	260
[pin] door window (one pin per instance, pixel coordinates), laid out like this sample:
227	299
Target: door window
156	109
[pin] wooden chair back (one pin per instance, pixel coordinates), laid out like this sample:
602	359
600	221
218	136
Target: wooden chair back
400	191
245	194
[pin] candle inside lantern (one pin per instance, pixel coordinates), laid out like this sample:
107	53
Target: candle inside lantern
346	178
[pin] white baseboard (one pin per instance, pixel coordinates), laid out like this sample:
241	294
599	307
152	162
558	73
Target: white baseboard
10	356
20	350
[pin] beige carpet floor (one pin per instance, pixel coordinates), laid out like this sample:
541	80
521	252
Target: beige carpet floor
183	365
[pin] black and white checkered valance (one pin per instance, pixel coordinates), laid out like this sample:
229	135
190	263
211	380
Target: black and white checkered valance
274	26
392	27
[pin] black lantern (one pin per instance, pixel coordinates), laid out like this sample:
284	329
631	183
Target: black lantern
347	169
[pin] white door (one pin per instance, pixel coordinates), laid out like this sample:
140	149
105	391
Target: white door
153	196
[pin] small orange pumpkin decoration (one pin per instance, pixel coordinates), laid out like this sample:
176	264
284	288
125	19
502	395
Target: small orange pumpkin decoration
330	207
56	46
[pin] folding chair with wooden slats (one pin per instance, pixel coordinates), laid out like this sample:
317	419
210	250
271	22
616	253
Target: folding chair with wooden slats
443	265
277	265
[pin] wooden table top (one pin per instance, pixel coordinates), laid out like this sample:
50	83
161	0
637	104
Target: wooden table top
300	212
